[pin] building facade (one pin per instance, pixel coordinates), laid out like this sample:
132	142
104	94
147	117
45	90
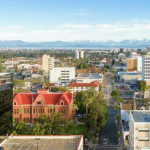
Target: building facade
6	96
79	54
27	107
89	77
139	130
134	55
132	64
62	75
77	87
146	68
47	63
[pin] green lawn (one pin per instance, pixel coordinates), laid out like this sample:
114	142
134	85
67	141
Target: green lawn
83	120
80	129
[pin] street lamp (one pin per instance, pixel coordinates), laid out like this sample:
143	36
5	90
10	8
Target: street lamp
37	141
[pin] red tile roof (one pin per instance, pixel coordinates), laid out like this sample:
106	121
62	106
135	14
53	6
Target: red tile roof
92	84
48	98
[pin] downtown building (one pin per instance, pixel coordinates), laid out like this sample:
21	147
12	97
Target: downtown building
79	54
77	87
6	97
139	130
47	63
62	75
146	68
27	106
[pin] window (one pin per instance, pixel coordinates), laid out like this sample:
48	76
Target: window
38	103
61	103
143	130
64	111
34	111
14	103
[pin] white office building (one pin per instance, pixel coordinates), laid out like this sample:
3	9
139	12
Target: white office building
139	130
139	63
146	68
47	63
62	75
89	77
79	54
134	55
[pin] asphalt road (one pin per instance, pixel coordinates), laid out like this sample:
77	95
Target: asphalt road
109	131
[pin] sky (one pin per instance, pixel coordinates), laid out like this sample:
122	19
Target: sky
73	20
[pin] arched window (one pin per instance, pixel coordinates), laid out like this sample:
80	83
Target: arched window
14	103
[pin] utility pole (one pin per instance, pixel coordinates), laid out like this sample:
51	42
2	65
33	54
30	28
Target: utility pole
37	141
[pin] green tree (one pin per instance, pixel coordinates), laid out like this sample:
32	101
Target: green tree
113	62
116	107
17	82
98	113
145	101
112	70
118	118
59	79
115	93
79	100
142	86
74	108
90	95
21	128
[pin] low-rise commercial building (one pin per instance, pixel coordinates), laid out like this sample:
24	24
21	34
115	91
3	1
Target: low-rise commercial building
139	130
77	87
129	75
89	77
62	75
58	142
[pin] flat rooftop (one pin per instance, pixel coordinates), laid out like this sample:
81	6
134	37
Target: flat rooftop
89	75
44	143
127	73
141	116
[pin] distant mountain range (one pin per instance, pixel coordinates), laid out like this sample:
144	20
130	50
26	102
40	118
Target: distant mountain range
75	44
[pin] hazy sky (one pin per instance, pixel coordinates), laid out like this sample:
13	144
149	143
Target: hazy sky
69	20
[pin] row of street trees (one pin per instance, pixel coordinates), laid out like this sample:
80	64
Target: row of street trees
95	107
53	125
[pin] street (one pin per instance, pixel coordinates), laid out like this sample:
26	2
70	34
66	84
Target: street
109	131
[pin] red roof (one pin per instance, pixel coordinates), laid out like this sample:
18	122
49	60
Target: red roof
92	84
48	98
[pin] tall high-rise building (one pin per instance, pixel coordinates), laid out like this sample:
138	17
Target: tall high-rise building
6	96
146	68
148	48
47	63
131	64
139	130
79	54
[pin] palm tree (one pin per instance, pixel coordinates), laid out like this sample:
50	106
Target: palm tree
90	95
145	101
118	118
20	112
59	79
116	107
52	107
118	134
74	108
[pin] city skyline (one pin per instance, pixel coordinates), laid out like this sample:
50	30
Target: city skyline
37	21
